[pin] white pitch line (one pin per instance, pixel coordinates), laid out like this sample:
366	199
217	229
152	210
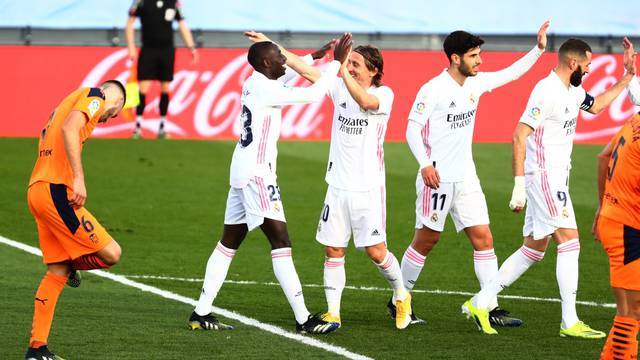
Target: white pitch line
371	288
222	312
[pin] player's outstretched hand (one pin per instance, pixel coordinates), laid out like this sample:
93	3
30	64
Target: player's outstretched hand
320	53
342	48
79	194
256	37
542	35
629	56
430	176
518	195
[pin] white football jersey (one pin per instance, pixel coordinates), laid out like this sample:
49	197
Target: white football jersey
261	117
552	111
356	155
447	112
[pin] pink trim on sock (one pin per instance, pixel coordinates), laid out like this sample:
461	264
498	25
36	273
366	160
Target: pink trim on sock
414	257
485	255
572	245
225	250
280	253
388	261
530	254
333	264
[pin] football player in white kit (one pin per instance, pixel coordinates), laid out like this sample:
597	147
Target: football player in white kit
355	202
254	197
440	135
542	144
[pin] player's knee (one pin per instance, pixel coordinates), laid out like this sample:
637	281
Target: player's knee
424	244
484	242
334	252
377	253
112	254
279	242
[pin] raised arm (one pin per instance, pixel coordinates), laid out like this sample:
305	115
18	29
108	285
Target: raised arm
301	65
282	95
603	100
357	92
518	68
629	62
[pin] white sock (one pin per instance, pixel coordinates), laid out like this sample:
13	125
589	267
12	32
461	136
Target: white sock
412	263
567	275
509	272
334	281
214	276
289	282
390	269
485	264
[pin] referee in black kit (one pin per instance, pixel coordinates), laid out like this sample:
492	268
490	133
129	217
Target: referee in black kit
157	54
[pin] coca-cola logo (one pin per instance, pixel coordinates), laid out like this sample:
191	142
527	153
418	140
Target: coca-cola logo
205	102
605	70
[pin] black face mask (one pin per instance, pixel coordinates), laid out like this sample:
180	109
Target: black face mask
576	77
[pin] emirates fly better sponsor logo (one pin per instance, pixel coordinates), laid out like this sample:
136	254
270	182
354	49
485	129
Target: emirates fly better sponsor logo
352	126
461	120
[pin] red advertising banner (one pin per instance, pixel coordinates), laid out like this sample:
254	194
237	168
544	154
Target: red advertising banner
205	98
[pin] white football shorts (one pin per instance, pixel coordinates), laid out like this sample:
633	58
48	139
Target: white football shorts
464	200
549	205
253	203
362	213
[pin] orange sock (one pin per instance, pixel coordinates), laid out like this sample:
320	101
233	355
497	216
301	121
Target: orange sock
622	342
45	305
88	262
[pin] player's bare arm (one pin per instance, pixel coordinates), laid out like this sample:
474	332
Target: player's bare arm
187	37
357	92
309	72
603	168
603	100
518	195
71	134
130	36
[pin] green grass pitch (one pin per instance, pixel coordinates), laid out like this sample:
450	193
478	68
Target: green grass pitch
163	201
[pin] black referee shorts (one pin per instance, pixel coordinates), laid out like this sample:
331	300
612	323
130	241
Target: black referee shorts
156	64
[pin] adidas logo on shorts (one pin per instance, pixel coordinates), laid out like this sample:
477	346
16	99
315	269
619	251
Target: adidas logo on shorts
375	233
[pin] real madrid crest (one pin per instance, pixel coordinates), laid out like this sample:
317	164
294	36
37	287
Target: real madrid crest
565	213
434	217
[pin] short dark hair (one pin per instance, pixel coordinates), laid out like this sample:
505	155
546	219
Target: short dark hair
257	52
118	84
574	46
373	61
459	42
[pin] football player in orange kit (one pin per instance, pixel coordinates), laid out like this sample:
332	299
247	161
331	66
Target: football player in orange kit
617	226
70	237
